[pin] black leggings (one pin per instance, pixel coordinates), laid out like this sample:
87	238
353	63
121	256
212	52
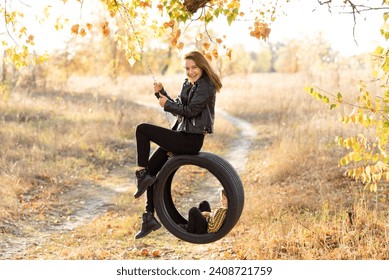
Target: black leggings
197	223
176	142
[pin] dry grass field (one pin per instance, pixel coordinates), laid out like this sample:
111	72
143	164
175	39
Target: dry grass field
68	158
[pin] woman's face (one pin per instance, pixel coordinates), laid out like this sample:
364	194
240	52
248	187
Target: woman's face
224	201
193	72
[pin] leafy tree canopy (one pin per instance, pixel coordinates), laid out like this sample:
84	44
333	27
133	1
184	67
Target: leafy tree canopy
133	23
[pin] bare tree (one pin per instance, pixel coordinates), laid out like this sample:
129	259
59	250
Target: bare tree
352	7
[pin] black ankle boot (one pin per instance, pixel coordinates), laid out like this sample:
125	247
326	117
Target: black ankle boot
149	224
144	180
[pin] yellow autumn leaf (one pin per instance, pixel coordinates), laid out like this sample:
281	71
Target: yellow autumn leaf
144	252
156	253
206	46
112	13
180	45
106	32
175	36
343	161
348	143
137	56
233	4
363	178
75	28
367	170
82	32
58	25
229	54
168	24
46	11
23	30
105	28
353	117
374	169
104	24
145	4
215	53
30	40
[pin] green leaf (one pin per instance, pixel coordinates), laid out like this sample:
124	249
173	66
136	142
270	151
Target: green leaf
183	17
230	19
340	98
343	161
386	14
378	51
208	17
217	12
357	157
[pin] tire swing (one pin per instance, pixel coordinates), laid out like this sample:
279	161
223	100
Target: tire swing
222	170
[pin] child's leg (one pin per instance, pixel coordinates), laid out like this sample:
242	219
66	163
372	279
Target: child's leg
196	221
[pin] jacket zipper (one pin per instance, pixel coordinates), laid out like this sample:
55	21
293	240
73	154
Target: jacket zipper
193	88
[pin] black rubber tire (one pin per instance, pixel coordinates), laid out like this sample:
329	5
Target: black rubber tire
224	173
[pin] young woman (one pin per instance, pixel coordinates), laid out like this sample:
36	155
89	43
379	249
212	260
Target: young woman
202	220
195	109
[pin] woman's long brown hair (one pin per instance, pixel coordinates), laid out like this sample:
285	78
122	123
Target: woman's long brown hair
204	65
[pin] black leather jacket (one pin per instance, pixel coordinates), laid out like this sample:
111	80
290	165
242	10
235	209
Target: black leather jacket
195	107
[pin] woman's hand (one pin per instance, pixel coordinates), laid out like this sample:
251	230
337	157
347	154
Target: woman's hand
162	100
157	87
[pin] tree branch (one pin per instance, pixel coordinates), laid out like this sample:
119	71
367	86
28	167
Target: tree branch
381	112
5	23
24	4
356	9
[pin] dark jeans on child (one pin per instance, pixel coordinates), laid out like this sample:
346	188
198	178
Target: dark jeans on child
197	223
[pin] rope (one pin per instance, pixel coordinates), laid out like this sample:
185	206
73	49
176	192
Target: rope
142	52
138	41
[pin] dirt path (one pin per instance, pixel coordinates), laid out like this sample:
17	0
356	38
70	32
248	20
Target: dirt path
89	200
239	150
85	201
